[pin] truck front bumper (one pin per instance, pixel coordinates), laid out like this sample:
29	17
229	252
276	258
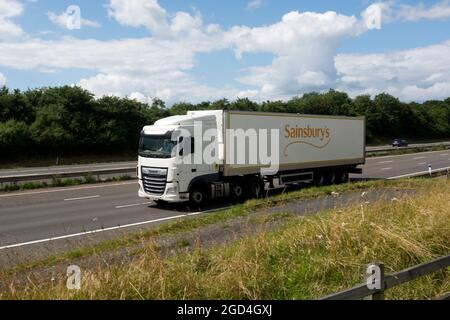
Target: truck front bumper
171	194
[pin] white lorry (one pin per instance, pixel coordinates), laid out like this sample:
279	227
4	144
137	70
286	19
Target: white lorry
205	155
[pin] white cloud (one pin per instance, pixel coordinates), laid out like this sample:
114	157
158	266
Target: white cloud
303	45
185	23
254	4
2	80
63	20
10	9
394	11
149	14
153	67
438	11
415	74
140	13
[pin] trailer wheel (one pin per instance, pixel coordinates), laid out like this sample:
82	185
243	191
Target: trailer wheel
238	189
330	178
319	179
256	187
342	177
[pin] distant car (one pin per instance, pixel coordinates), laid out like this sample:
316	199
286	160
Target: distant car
400	143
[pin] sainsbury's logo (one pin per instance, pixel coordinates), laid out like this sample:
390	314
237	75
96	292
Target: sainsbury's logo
317	137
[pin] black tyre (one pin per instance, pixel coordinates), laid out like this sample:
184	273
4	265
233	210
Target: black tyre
330	178
238	189
319	178
342	177
198	196
255	187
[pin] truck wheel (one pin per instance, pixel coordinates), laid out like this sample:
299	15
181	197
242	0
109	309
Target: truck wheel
319	179
256	187
237	189
342	177
330	178
198	196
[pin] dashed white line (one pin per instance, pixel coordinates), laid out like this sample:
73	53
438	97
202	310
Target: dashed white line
133	205
382	162
128	206
444	154
82	198
422	163
390	168
418	158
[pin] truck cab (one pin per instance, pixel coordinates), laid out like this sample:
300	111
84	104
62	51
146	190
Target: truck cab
166	165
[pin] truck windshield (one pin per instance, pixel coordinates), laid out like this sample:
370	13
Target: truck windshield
157	146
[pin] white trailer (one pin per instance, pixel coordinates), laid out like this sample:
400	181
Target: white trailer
210	154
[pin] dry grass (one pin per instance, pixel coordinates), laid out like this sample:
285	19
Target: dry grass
308	258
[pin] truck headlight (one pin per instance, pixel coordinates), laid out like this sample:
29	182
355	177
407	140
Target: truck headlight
171	190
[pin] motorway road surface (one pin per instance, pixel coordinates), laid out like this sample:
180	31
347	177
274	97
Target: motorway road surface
30	217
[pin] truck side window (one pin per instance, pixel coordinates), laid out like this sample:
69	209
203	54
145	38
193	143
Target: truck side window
192	145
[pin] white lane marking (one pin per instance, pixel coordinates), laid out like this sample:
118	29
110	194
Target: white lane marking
418	158
66	189
417	173
421	163
444	154
82	198
128	206
389	161
133	205
390	168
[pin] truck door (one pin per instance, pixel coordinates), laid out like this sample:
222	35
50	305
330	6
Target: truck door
186	170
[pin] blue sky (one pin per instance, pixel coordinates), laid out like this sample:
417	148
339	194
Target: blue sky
198	50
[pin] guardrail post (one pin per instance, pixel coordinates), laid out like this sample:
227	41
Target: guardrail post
448	174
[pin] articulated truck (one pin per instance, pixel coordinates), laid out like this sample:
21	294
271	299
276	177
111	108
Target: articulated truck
205	155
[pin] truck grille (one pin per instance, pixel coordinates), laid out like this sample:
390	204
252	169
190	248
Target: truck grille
154	183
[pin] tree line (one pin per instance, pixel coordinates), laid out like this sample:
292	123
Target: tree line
70	120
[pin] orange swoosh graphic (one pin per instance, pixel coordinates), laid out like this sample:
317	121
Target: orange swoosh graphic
305	142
